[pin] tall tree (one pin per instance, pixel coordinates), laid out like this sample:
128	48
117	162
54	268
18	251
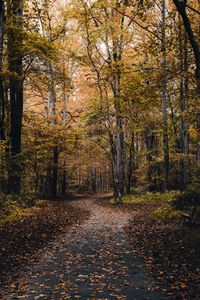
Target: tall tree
52	96
15	43
182	9
107	32
2	99
164	98
184	82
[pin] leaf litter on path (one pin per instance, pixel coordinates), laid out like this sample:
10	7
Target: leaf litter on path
93	260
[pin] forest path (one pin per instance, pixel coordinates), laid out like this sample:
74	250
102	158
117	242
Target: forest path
90	261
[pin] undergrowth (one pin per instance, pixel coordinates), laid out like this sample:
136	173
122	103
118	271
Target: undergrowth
13	207
165	197
167	212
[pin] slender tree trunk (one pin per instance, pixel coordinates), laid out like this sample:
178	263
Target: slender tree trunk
164	99
64	185
16	91
136	150
184	106
131	163
113	162
120	159
54	186
64	172
52	91
94	179
112	156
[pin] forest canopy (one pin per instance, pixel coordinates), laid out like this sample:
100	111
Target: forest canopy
99	95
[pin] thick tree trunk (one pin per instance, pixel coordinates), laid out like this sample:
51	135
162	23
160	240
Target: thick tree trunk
2	99
16	92
164	99
181	7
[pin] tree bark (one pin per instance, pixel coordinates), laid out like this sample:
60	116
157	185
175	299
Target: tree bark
183	105
55	172
54	184
130	163
120	157
181	7
15	38
2	98
120	172
64	172
164	99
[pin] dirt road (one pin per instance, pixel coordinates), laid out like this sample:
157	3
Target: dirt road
90	261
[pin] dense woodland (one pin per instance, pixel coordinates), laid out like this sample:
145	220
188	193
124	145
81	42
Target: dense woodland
99	95
100	149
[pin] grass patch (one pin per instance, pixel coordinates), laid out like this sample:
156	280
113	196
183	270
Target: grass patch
168	212
172	212
16	214
130	199
134	199
168	197
41	203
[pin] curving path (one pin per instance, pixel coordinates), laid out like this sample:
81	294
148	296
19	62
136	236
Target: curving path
90	261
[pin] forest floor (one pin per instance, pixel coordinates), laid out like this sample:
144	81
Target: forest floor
98	251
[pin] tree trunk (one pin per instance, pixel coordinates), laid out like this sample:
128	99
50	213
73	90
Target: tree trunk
94	179
184	106
16	91
64	172
130	164
2	99
55	172
63	184
52	92
181	7
164	99
120	160
113	161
